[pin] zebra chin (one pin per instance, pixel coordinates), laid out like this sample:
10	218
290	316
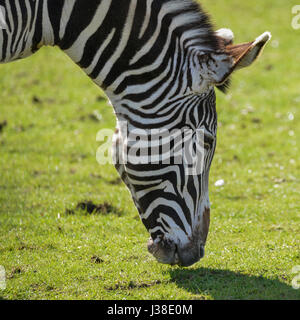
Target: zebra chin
168	252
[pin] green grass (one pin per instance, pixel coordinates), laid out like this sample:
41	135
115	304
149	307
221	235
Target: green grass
48	166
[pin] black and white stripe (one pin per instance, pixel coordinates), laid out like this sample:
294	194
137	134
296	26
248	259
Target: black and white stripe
148	56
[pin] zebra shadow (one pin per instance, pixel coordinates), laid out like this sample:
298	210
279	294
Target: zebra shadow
229	285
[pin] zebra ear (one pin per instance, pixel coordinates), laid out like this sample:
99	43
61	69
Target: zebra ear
235	57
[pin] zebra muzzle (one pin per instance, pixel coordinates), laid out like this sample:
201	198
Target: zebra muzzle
168	252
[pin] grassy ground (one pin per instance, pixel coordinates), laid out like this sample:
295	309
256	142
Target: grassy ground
51	250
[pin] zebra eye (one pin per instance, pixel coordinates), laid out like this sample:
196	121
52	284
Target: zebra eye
209	140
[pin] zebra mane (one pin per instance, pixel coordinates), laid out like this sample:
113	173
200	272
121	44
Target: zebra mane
196	23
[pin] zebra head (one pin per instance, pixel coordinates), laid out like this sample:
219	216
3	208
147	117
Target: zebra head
172	197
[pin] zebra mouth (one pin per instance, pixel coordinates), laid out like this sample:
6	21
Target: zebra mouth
168	252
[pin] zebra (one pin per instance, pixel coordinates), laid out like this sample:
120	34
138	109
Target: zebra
158	62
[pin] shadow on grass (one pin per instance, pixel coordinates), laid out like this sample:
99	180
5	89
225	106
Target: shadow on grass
88	207
228	285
